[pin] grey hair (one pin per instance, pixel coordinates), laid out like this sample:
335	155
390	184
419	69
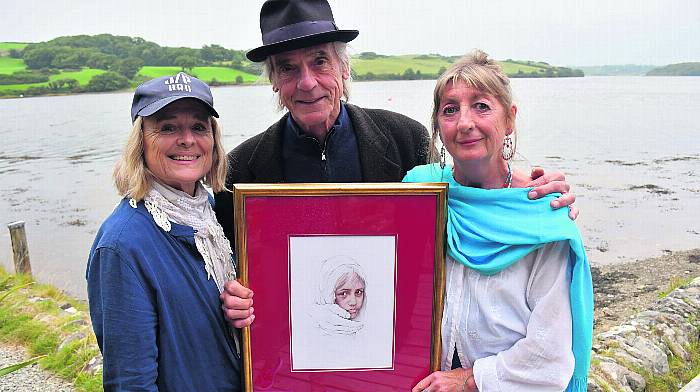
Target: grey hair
341	51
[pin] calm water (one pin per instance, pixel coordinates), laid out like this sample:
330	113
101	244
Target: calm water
628	145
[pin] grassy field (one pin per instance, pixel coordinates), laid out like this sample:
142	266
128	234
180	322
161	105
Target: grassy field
398	64
424	64
9	65
513	68
83	77
6	46
207	74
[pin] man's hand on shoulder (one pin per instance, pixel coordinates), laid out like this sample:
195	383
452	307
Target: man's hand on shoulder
546	183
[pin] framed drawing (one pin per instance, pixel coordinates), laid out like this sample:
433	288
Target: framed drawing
348	282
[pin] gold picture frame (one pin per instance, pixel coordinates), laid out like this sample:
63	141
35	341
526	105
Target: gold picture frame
393	232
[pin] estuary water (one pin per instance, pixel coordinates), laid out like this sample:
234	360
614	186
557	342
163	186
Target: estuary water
629	146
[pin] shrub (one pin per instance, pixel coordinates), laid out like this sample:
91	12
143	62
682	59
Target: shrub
108	81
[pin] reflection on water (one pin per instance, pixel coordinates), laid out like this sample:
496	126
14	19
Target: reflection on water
628	146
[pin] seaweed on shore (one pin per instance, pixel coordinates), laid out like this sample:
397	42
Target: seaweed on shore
652	189
623	163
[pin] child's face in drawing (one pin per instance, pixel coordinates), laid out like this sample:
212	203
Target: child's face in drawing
350	295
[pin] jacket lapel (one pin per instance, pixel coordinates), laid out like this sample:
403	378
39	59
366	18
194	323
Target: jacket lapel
266	160
379	157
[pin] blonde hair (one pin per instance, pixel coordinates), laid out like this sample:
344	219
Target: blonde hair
131	176
477	71
341	51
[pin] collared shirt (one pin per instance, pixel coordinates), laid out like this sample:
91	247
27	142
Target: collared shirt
514	327
306	160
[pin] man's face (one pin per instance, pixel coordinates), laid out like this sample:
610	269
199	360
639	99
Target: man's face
310	83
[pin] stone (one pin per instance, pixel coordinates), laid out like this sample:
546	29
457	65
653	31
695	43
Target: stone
625	378
603	246
45	318
93	366
70	338
597	383
652	356
647	341
78	322
693	385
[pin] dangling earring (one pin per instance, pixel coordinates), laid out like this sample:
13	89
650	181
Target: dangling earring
508	149
442	157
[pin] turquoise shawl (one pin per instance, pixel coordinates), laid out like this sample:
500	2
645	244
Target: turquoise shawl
490	229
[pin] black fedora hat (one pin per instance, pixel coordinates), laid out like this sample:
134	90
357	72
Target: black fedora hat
294	24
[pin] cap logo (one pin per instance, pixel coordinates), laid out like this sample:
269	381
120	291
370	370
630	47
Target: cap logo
181	82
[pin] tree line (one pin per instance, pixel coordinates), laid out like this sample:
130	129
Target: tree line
121	56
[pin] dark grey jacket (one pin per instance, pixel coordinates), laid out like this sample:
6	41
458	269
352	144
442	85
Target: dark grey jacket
389	143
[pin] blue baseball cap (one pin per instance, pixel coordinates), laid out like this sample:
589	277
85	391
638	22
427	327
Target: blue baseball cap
155	94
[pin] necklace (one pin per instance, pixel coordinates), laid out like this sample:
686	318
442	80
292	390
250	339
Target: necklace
509	178
507	182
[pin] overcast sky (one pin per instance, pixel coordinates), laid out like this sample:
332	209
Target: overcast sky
561	32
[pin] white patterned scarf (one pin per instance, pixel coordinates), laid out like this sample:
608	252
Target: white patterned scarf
168	204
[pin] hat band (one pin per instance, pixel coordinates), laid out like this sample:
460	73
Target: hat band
297	30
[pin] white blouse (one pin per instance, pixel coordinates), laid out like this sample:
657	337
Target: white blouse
514	327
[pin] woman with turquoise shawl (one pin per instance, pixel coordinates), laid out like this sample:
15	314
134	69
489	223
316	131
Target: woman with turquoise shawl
518	312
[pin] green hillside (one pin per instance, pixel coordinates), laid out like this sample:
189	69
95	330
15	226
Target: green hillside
83	77
6	46
398	64
105	62
207	74
681	69
372	66
616	70
9	65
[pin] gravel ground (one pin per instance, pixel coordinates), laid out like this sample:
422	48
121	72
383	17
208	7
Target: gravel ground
29	379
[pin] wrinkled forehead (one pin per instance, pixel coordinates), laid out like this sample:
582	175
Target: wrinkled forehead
325	49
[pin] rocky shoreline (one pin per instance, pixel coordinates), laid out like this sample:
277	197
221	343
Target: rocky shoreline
622	290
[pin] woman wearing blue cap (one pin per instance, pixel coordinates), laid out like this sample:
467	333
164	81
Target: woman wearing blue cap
159	261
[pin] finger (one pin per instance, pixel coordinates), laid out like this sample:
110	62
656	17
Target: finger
242	323
234	314
573	212
536	172
566	199
234	287
422	384
551	187
545	178
231	302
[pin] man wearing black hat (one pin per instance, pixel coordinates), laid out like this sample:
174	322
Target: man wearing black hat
322	138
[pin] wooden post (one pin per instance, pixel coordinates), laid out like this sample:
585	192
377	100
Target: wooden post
20	249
